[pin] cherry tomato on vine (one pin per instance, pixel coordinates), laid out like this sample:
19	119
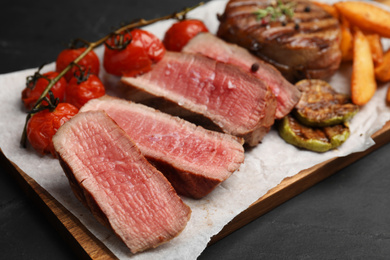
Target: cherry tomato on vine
83	88
90	61
36	86
178	35
44	124
143	49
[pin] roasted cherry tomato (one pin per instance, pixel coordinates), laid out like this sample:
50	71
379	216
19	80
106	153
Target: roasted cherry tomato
89	62
44	124
83	88
181	32
142	50
37	85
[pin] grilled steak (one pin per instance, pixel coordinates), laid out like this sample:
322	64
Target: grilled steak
305	46
108	173
211	46
235	101
193	159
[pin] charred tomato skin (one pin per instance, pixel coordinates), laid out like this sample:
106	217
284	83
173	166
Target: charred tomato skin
137	57
43	125
180	33
31	94
89	62
78	93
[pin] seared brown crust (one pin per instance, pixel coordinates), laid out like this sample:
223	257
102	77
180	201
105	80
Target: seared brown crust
305	47
185	183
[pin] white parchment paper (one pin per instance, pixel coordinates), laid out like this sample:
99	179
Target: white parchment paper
265	166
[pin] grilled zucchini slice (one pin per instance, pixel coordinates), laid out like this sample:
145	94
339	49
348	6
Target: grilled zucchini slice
320	105
318	139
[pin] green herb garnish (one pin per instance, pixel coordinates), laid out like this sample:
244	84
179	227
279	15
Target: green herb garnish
276	11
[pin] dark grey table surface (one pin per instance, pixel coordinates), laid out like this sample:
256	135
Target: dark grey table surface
346	216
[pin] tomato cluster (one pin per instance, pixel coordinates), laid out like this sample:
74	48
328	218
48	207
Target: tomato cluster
130	53
71	92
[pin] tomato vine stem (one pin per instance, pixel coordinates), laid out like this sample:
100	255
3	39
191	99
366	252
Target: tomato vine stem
93	45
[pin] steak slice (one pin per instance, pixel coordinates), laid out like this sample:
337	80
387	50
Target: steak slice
287	95
235	101
108	173
307	46
193	159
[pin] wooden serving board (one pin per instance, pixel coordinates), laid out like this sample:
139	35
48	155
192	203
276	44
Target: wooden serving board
86	245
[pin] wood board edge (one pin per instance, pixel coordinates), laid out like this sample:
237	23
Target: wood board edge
293	186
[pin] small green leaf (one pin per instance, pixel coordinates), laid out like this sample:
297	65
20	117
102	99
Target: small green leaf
275	12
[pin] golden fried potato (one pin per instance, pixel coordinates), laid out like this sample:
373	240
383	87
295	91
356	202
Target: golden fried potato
388	96
376	47
346	43
363	83
382	70
366	16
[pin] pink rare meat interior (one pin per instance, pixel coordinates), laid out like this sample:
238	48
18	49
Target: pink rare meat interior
211	46
106	168
178	143
236	101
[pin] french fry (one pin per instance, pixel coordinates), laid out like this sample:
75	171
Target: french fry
385	2
346	43
366	16
328	8
376	47
382	70
388	96
363	84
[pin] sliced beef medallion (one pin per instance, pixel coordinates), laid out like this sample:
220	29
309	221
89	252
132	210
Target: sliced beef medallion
108	173
235	101
211	46
193	159
305	46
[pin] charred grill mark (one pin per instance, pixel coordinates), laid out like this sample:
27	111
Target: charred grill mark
242	4
247	20
318	27
300	11
308	19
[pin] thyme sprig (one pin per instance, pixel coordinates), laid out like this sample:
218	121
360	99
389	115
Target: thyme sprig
92	45
276	10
